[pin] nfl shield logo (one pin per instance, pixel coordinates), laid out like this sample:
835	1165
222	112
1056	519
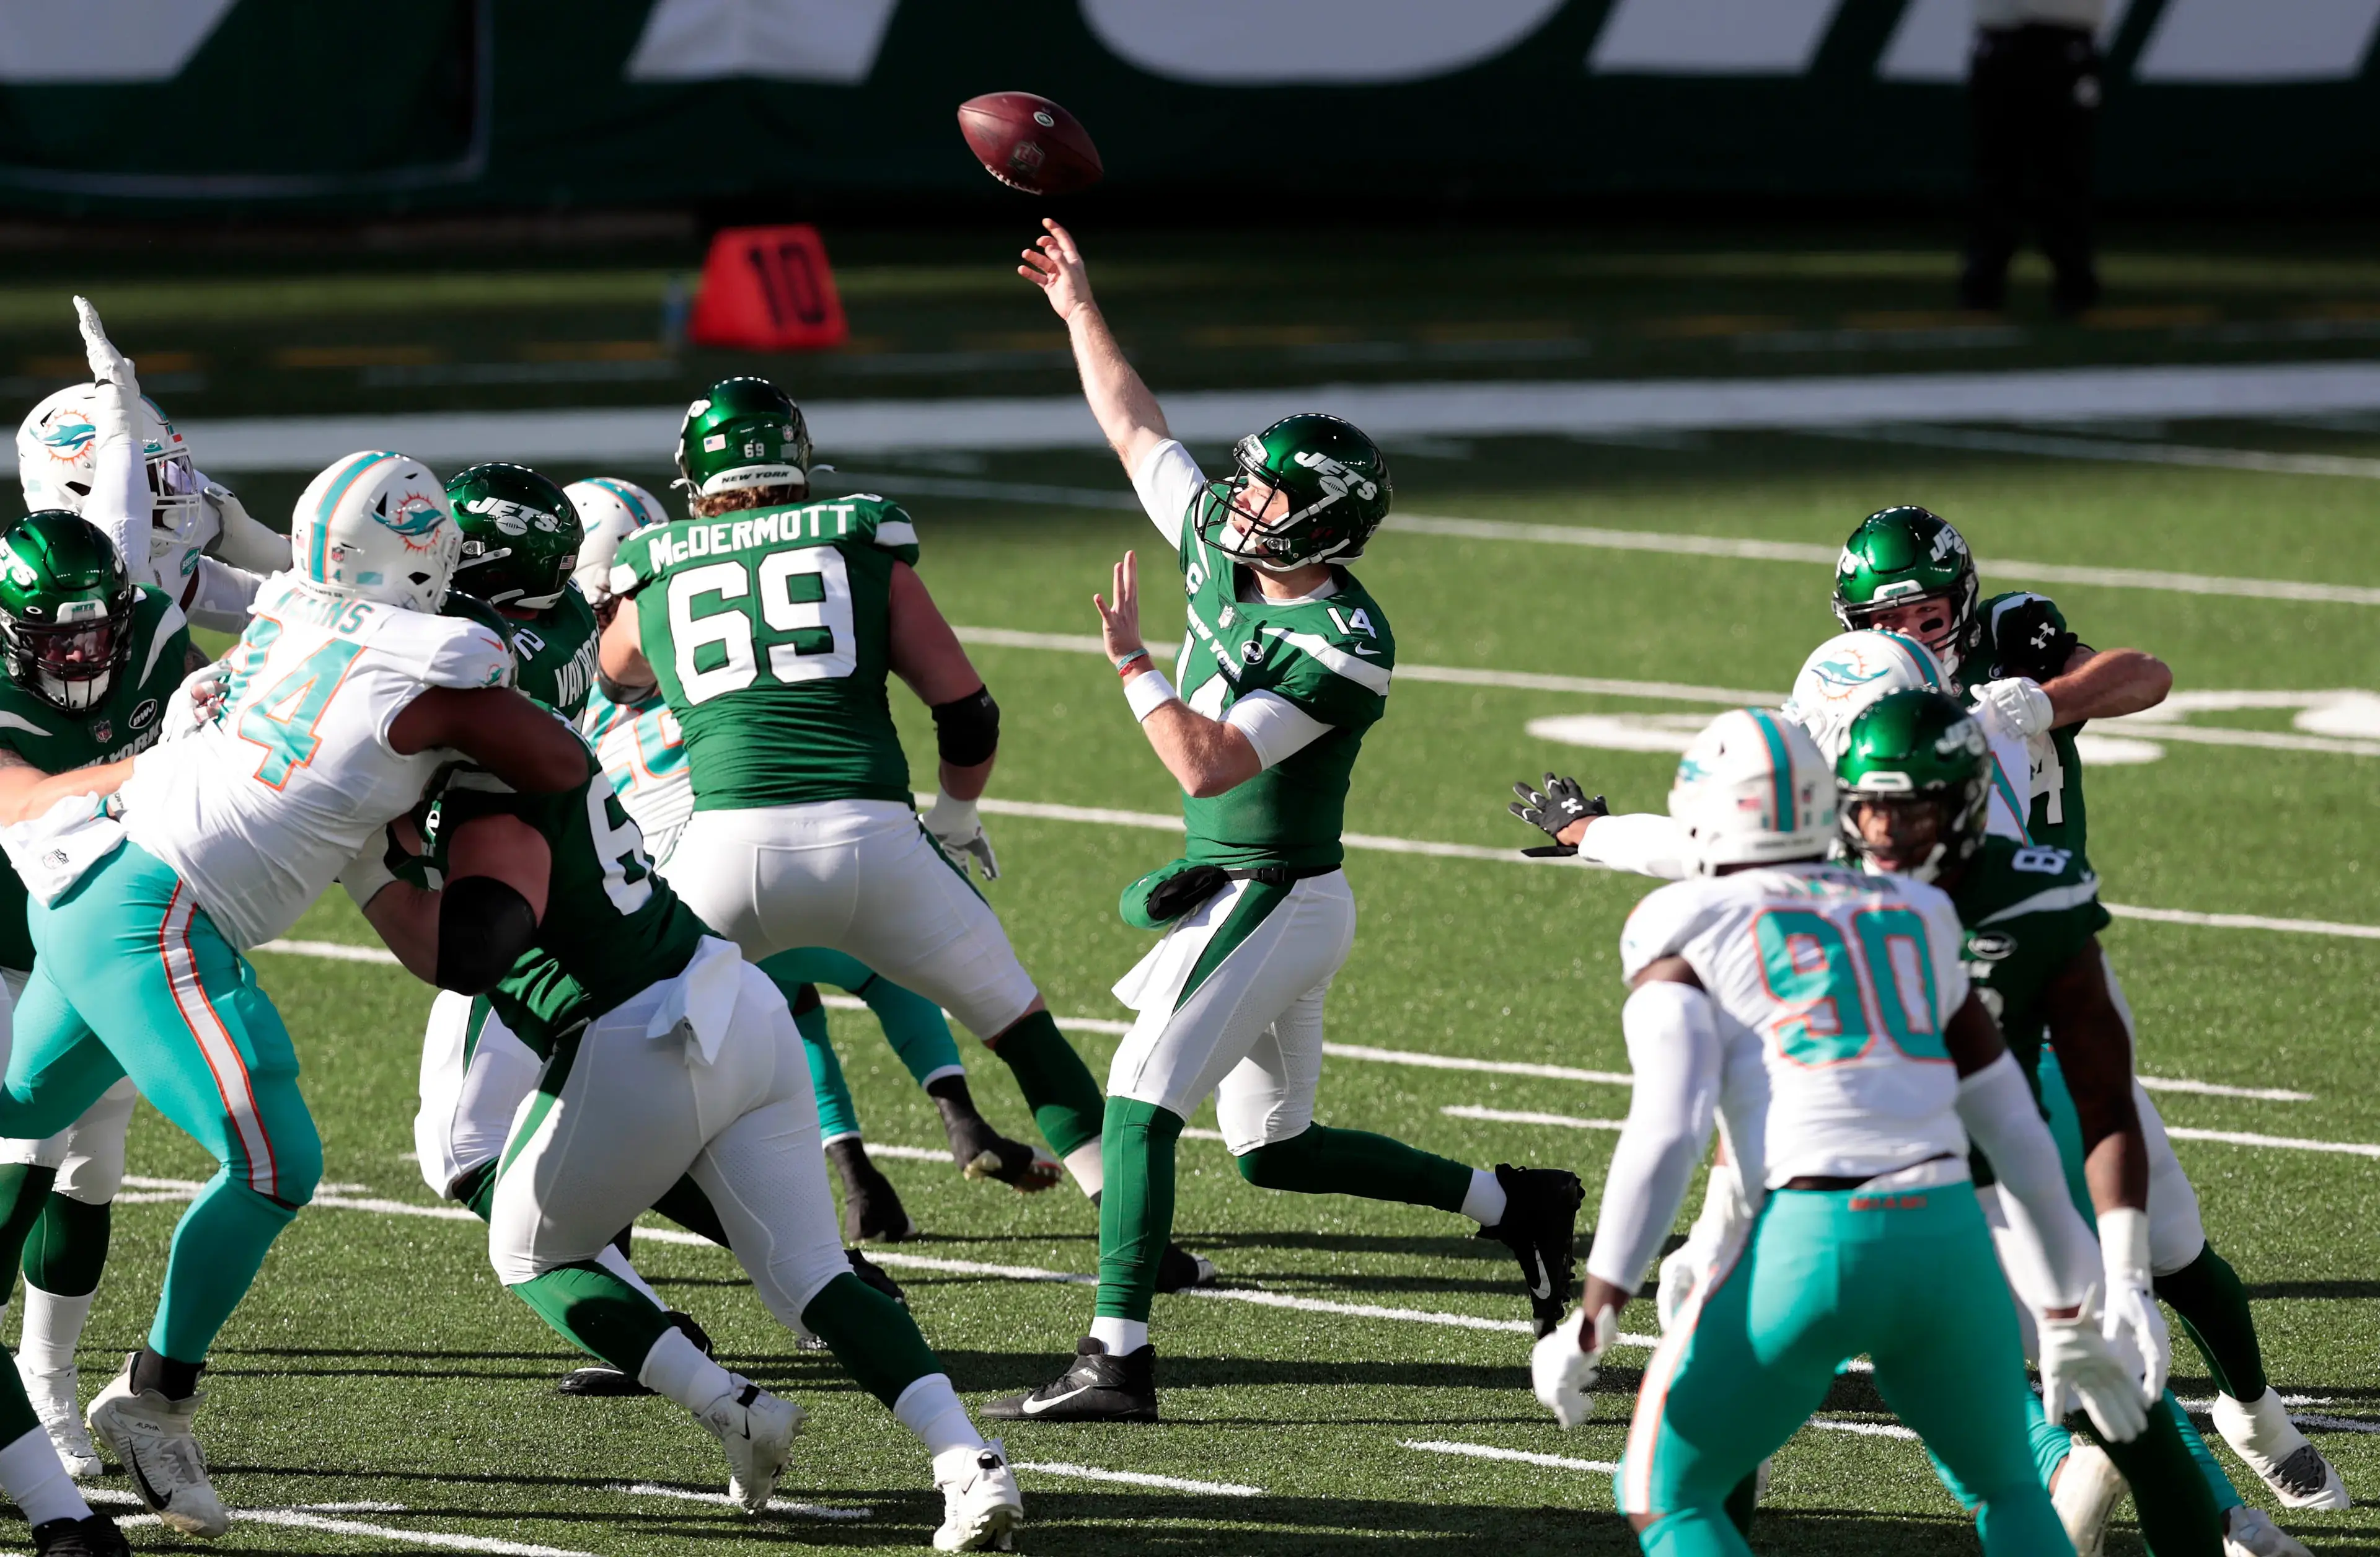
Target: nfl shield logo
103	730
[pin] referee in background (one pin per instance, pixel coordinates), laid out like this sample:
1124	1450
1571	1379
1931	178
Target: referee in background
2032	91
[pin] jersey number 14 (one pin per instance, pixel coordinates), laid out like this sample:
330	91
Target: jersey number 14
794	607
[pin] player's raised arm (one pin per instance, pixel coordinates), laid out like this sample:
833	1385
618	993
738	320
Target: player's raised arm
499	729
1127	413
1206	757
928	657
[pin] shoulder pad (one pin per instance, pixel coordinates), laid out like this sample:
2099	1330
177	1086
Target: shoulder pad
1665	921
443	651
886	524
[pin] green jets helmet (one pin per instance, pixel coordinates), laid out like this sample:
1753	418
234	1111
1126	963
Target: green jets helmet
521	536
1914	785
1332	480
1900	556
66	609
743	432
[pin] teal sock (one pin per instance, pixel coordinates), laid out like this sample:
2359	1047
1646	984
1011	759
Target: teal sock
1694	1532
598	1313
685	1204
218	1248
2051	1442
1321	1161
1137	1206
874	1338
837	1114
2212	1303
67	1250
913	1026
23	1190
1057	1085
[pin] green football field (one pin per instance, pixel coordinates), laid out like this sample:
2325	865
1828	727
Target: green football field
1360	1377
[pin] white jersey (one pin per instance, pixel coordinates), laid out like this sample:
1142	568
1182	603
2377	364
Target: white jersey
1847	980
260	809
643	753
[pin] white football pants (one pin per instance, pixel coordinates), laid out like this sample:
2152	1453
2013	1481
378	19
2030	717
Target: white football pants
89	1153
473	1082
1251	1030
620	1116
2176	1232
863	877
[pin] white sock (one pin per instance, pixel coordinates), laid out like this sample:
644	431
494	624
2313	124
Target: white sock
931	1409
1483	1201
676	1369
612	1259
1083	1163
52	1328
31	1474
1120	1336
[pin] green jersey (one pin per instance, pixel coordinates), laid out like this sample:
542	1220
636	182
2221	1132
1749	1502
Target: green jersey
1328	657
123	722
2029	910
556	652
2017	642
611	928
769	633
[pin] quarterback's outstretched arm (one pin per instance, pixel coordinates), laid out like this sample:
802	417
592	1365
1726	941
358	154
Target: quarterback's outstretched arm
1127	413
2107	684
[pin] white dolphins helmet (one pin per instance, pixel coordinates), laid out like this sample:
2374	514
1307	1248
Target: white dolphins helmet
1754	790
612	510
58	446
1852	670
379	525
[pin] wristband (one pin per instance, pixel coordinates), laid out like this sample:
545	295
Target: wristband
1124	667
2124	1245
1146	691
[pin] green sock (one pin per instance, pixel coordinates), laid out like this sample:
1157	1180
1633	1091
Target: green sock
2212	1306
1321	1161
67	1249
476	1189
23	1189
874	1338
1137	1206
1057	1085
685	1204
2177	1509
598	1313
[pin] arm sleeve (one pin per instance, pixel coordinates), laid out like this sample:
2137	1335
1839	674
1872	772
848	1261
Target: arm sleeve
1278	728
1642	843
1674	1051
243	541
1166	482
1997	1107
220	595
118	503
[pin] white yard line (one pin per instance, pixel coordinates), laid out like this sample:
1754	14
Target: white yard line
2244	921
336	951
2216	1090
1138	1478
1525	1116
777	1505
320	1516
2120	450
1865	1429
1486	1452
2282	1143
1493	1068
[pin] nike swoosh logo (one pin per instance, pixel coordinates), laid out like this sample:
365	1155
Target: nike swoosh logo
149	1494
1541	1284
1036	1405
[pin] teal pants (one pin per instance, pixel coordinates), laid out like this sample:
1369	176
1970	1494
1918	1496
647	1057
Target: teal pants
912	1025
1908	1279
134	979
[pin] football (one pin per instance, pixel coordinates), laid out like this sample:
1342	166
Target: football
1029	143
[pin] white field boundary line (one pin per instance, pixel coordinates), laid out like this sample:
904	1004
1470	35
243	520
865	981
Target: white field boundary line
775	1506
321	1516
1138	1478
1487	1452
2119	450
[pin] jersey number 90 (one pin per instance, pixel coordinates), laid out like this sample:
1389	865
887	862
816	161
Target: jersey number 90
1835	998
796	607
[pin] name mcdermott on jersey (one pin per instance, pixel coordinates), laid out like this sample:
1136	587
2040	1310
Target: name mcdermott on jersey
683	541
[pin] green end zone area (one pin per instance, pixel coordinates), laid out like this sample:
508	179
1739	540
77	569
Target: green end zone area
379	1362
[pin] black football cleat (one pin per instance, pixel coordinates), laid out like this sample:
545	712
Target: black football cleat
872	1212
93	1536
1540	1227
1095	1388
602	1381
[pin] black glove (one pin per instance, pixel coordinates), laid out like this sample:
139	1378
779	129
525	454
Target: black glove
1563	803
2028	642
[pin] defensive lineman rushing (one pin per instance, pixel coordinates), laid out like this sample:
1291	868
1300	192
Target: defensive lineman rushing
346	696
1286	665
1826	1017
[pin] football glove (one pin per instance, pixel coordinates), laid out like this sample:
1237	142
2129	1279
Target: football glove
2077	1362
2133	1324
2030	642
1561	1370
110	368
1562	803
196	702
957	828
2016	706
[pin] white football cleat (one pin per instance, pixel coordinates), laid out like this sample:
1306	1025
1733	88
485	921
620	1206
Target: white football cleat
2089	1488
2249	1532
758	1431
2260	1433
53	1397
981	1506
151	1436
